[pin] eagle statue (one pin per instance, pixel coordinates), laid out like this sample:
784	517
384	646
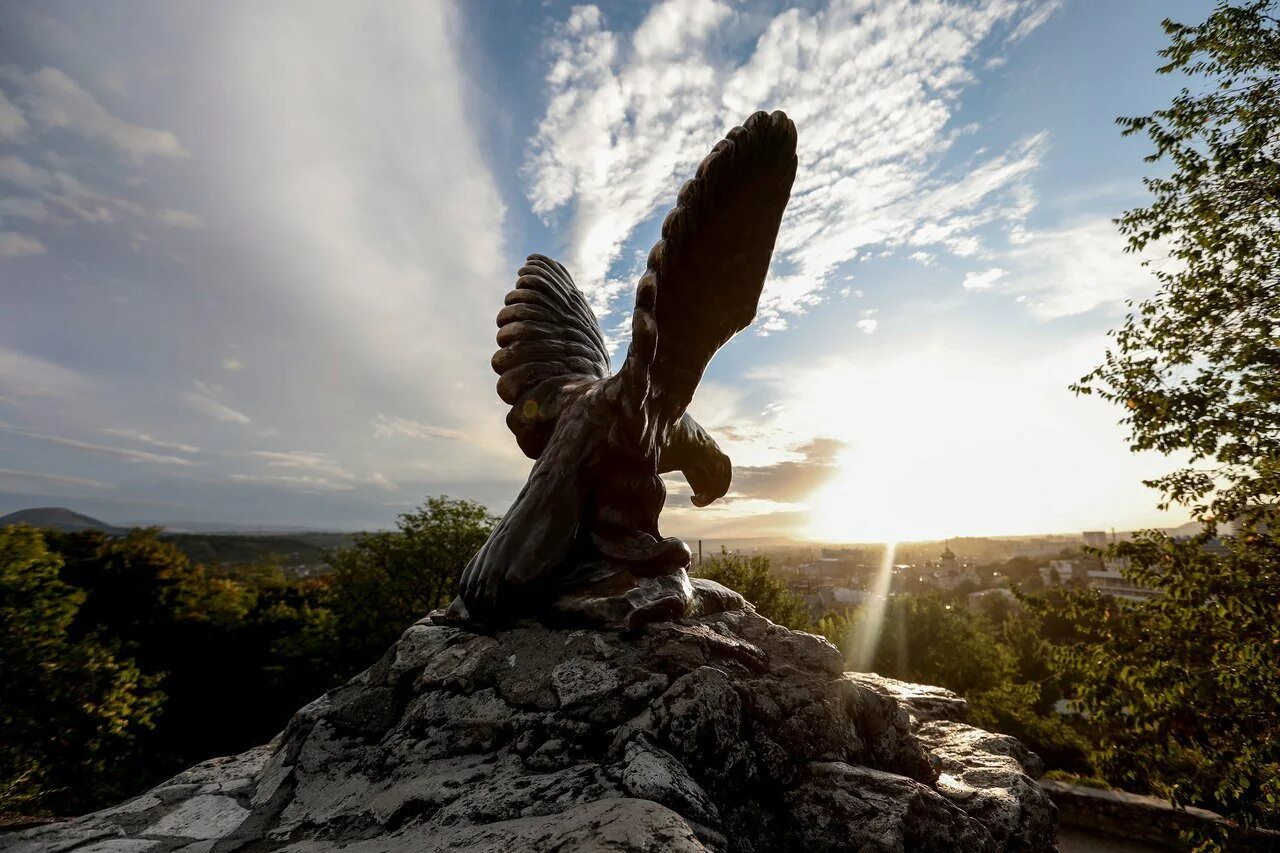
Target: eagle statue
581	540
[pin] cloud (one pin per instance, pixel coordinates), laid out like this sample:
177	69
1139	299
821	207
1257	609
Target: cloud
178	218
53	100
791	480
201	401
382	481
365	239
125	453
387	426
302	459
16	245
354	273
25	375
867	322
872	89
1035	18
1067	271
325	470
982	280
75	198
23	481
28	209
144	438
12	123
298	483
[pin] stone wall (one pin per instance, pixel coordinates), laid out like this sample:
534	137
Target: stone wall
1144	823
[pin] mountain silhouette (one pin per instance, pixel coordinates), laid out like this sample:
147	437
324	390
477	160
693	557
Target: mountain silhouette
57	518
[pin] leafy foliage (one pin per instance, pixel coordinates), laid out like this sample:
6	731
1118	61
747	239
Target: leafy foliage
1184	688
753	577
1004	669
1197	366
69	708
121	661
387	580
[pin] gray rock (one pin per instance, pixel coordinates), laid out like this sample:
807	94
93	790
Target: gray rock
922	701
580	680
200	818
989	776
723	732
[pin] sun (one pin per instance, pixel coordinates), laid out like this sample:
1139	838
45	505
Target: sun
875	503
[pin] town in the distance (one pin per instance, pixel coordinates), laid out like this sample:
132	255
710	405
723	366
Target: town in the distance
978	573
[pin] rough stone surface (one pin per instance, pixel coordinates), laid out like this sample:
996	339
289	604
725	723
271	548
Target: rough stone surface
722	733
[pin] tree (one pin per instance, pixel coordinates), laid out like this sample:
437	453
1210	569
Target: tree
753	577
69	708
924	639
388	580
1184	686
1197	366
236	651
137	587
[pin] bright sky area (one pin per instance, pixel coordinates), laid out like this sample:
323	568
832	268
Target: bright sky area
250	254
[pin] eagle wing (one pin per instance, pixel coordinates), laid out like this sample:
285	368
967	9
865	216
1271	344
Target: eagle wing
550	347
705	274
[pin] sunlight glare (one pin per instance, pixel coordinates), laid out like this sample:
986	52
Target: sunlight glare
867	630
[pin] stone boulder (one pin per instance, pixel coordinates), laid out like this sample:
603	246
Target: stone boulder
724	732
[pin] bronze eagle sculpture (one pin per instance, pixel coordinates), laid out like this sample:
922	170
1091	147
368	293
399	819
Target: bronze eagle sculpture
585	525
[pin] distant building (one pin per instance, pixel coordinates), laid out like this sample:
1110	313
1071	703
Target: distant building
1095	539
836	567
1106	576
951	572
1068	571
947	563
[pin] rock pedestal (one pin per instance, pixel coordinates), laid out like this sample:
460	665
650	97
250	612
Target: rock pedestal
724	732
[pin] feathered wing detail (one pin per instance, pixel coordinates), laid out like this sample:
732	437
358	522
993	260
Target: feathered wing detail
705	274
550	346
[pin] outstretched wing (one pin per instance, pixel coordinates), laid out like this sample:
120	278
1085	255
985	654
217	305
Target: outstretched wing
550	346
705	274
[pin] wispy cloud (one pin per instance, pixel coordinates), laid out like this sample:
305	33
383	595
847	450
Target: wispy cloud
144	438
1066	271
867	321
982	280
300	483
125	453
318	462
388	426
57	189
202	401
324	470
53	100
873	87
23	481
24	375
14	244
13	124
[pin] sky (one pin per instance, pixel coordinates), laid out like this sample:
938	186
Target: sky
251	254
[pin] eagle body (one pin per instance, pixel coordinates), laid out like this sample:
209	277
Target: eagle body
587	518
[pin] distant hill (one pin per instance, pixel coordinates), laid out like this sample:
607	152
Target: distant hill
57	518
296	552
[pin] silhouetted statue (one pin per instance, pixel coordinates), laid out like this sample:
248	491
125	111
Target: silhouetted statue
581	541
